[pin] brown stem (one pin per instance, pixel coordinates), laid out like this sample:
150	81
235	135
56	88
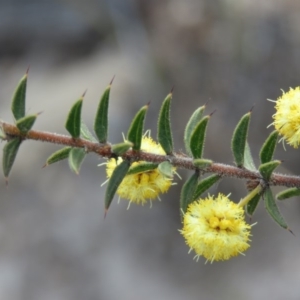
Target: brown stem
177	160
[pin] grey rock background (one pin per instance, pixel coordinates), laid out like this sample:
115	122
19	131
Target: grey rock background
54	242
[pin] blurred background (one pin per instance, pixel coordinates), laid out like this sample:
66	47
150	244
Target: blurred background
54	241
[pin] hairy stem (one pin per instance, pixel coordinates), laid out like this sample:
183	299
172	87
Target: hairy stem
177	160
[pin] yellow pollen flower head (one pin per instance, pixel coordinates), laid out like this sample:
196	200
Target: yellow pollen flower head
287	116
215	228
140	187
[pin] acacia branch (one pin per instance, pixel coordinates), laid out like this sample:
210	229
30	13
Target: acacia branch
177	160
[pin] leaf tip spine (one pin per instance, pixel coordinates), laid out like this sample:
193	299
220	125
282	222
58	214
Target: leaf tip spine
111	82
83	95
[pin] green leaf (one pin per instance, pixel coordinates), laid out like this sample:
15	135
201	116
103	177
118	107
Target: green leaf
101	119
19	99
268	148
166	169
58	155
164	134
248	159
288	193
239	138
25	124
86	134
135	131
198	138
267	169
272	209
252	205
205	184
76	157
121	148
202	163
142	167
10	151
74	119
190	126
187	192
115	180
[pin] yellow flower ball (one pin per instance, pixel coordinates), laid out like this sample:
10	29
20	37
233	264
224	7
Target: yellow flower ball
215	228
287	116
140	187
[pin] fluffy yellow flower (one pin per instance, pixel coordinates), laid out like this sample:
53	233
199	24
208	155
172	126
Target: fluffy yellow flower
215	228
287	116
140	187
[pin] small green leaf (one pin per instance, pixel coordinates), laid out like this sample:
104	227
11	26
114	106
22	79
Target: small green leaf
115	180
166	169
288	193
76	157
74	119
58	155
198	138
202	163
205	184
190	126
10	151
25	124
19	99
248	159
187	192
142	167
86	134
268	148
239	138
135	131
272	209
252	205
267	169
121	148
164	134
101	119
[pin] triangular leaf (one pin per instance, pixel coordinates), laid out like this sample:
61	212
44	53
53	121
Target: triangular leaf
58	155
288	193
74	119
187	192
267	169
115	180
205	184
10	151
268	148
202	163
25	124
252	205
239	138
101	119
248	159
164	134
272	209
86	134
76	157
19	99
141	167
190	126
198	138
135	131
166	169
121	148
